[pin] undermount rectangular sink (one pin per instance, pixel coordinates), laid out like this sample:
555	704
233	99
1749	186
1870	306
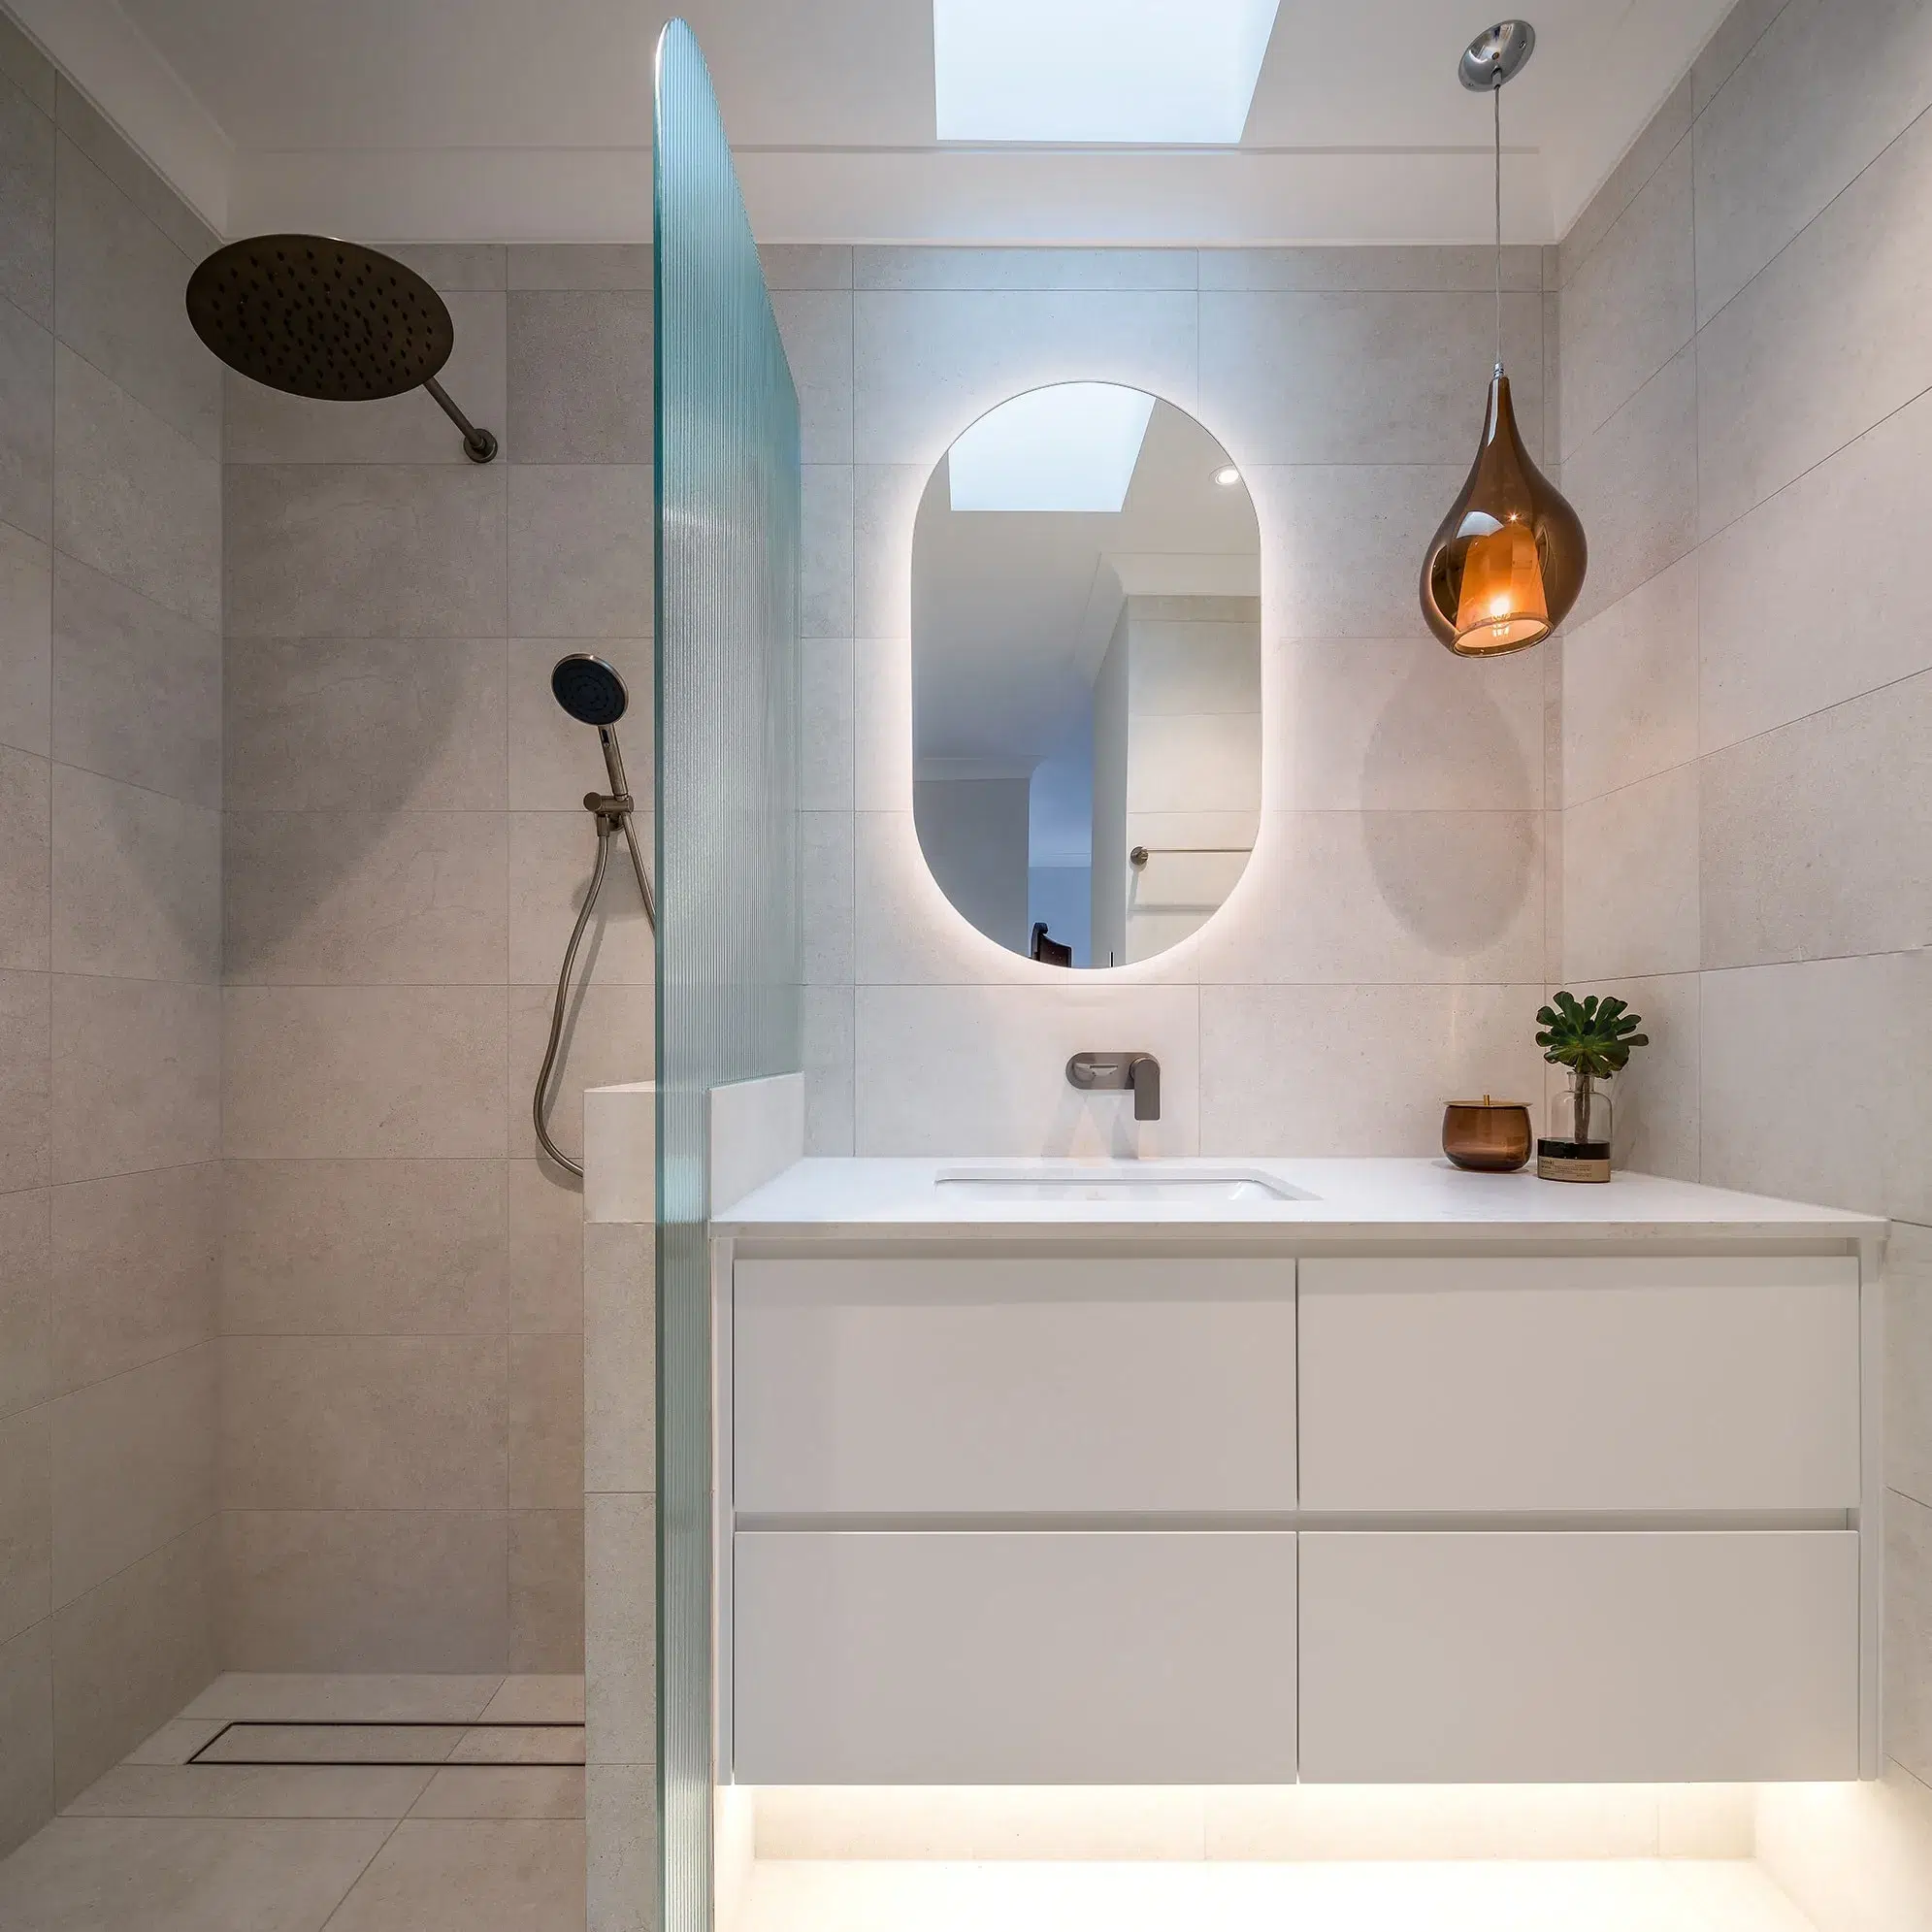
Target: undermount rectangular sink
1081	1181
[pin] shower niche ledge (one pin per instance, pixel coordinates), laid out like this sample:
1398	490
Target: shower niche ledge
1361	1475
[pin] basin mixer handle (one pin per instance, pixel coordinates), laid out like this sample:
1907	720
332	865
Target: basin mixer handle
1138	1073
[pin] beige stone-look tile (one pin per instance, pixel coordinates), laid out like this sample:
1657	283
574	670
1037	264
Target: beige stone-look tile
1779	636
546	1589
26	170
580	265
425	1697
1908	1644
363	1422
26	66
825	566
553	856
547	1421
1630	307
1630	687
1101	270
133	497
135	1265
825	724
26	1520
885	503
620	1629
580	539
502	1791
1362	378
362	724
580	376
825	887
451	267
828	1041
787	265
118	301
1908	1391
527	1699
25	836
1736	35
174	1875
553	759
1357	1069
334	1743
1635	485
26	650
175	1741
26	424
1394	268
364	1589
1792	1123
623	1877
445	1875
1654	145
364	551
619	1360
89	131
1829	328
1630	884
27	1721
133	1467
214	1789
25	1080
136	1076
137	881
928	363
1381	724
26	1299
608	1037
544	1255
1811	845
128	1654
359	1071
504	1743
363	1247
136	688
1813	101
1654	1100
1384	898
815	326
262	425
365	899
999	1053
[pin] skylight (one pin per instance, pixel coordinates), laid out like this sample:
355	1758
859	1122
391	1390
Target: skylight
1071	447
1131	71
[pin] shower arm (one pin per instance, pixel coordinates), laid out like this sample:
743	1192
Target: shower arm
479	445
620	787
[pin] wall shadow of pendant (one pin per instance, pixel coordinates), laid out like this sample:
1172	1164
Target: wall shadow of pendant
1508	562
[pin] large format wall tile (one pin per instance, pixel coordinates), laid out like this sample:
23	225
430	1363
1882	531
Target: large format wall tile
134	497
25	835
26	640
364	1589
824	563
580	376
91	131
1654	1100
363	1422
546	1417
968	271
364	724
364	551
26	1520
343	1070
136	687
551	859
364	1248
364	898
25	1080
137	1078
26	202
137	882
1908	1361
26	423
611	1036
1396	270
580	540
578	265
815	326
26	1299
118	301
546	1591
1630	880
27	1721
133	1467
1908	1640
135	1263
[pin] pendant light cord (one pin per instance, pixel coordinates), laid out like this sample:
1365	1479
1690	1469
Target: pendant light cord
1496	93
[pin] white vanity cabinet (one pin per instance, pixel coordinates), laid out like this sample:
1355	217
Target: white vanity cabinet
1282	1505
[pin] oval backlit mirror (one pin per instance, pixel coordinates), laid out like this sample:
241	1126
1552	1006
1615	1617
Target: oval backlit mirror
1086	674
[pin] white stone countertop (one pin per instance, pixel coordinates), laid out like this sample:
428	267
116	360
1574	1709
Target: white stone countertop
1367	1200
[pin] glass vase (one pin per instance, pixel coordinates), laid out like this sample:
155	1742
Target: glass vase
1577	1147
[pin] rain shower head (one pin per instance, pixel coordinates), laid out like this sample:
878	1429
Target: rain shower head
589	690
330	320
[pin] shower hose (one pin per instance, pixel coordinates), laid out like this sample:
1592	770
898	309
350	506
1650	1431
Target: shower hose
609	820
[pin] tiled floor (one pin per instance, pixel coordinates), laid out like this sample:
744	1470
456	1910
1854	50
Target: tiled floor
468	1837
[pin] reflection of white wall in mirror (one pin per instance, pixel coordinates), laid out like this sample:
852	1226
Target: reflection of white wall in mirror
1070	449
973	823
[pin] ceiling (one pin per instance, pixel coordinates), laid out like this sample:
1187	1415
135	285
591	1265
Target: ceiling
530	120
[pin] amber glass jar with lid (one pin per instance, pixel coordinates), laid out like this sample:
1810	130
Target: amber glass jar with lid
1487	1137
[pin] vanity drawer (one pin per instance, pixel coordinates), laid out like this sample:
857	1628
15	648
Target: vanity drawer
1027	1658
1631	1383
921	1386
1477	1658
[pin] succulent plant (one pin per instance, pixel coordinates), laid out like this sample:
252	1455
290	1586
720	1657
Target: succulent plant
1593	1037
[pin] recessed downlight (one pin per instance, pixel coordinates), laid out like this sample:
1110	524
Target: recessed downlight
1228	476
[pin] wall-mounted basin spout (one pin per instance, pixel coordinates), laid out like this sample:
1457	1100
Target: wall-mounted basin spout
1138	1073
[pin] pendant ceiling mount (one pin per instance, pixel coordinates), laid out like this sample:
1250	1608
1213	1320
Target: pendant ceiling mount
1507	563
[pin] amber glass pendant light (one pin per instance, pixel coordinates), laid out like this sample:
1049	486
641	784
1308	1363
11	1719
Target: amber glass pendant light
1507	563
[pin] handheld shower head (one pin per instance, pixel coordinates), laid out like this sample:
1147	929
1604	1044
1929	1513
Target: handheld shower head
589	690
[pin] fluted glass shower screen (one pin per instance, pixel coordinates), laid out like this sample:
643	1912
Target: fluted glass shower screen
729	951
